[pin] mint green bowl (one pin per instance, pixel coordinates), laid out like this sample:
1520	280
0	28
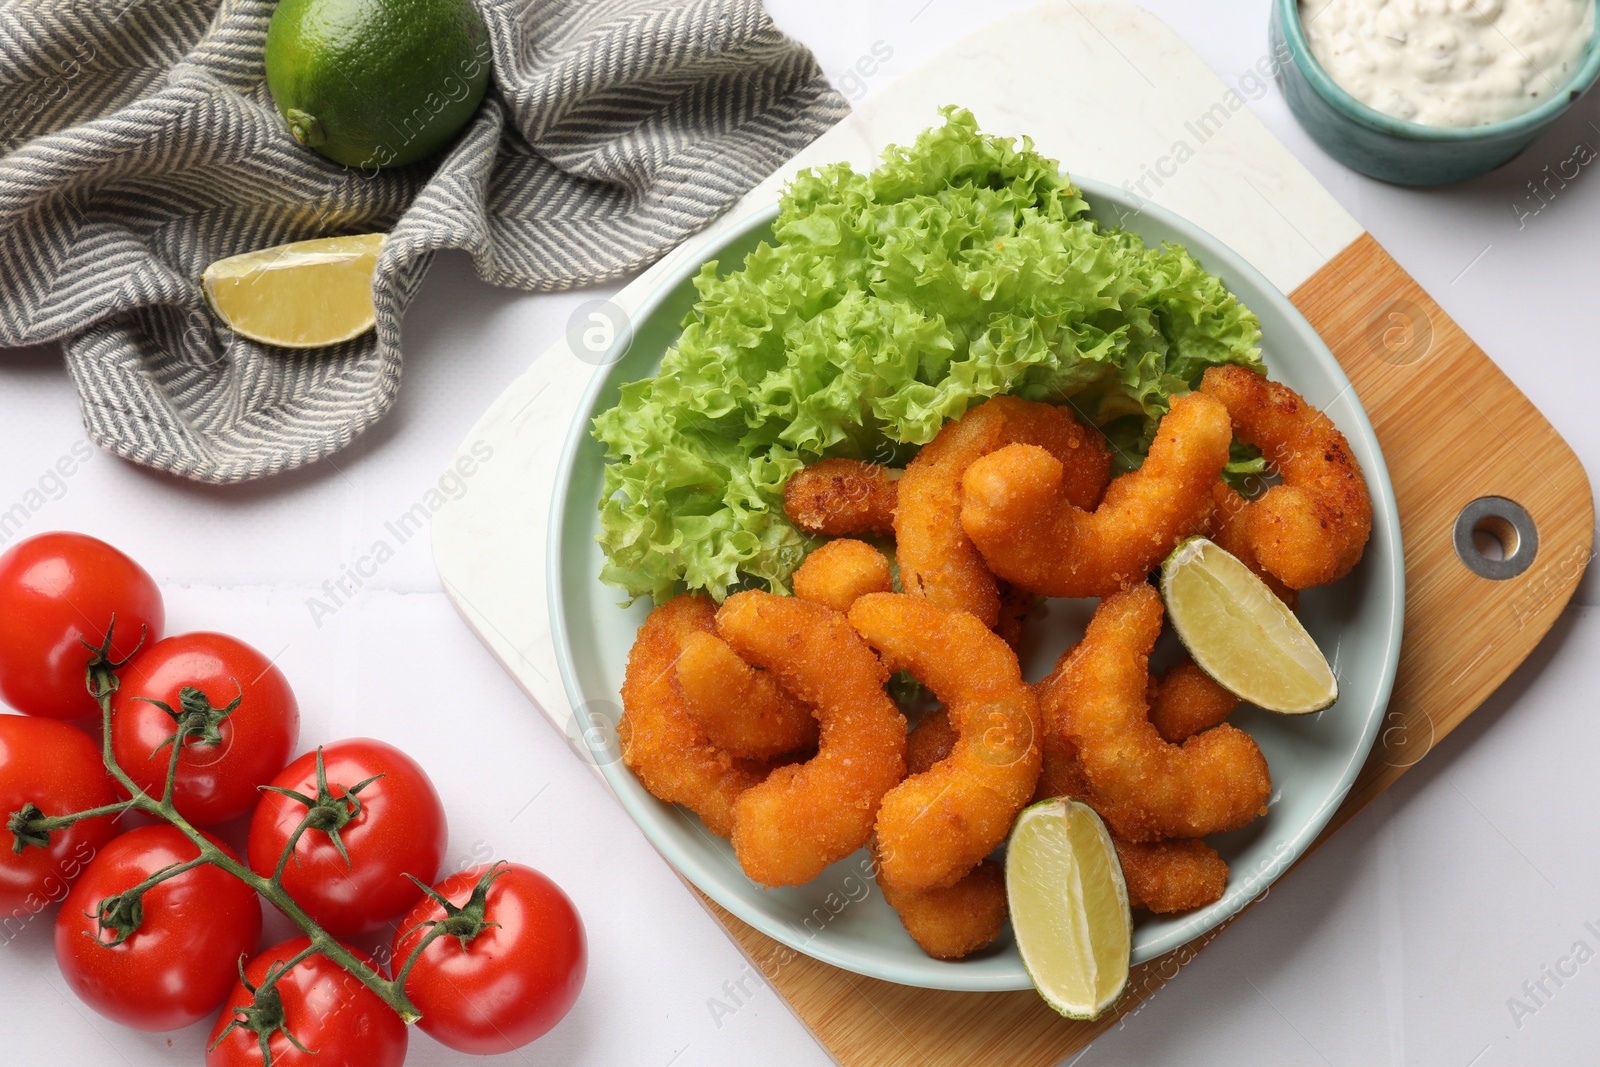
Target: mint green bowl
840	918
1394	150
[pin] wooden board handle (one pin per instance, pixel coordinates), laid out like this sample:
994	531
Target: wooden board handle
1454	430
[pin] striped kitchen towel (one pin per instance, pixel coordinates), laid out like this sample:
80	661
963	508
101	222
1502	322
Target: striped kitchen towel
140	143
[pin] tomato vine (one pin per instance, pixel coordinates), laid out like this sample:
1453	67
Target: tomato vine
119	916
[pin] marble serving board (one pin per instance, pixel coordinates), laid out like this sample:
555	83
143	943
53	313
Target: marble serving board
1112	92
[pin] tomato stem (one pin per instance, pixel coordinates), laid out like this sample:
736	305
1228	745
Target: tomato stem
123	912
195	718
100	674
264	1015
30	826
462	923
324	812
428	938
289	847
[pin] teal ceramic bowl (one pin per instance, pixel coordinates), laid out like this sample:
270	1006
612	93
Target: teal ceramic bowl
1392	149
840	918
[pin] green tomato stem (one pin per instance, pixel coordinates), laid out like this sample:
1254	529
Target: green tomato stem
282	969
51	823
172	764
428	938
289	846
171	871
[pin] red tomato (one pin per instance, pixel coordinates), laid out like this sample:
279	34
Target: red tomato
55	589
176	967
399	830
216	782
512	982
339	1020
56	767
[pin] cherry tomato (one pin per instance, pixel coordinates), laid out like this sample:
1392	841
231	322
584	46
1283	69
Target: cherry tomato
182	958
398	830
512	982
55	589
55	767
216	780
338	1020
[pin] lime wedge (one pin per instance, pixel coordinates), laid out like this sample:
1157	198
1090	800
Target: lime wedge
1069	907
1242	635
303	295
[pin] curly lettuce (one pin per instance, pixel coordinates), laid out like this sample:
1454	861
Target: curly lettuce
962	268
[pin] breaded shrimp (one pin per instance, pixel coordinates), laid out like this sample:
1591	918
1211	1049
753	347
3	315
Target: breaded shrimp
948	923
1164	876
841	497
839	572
930	741
1215	781
957	920
1186	701
805	816
1169	876
742	710
935	827
1016	604
1032	534
937	561
1231	535
661	742
1061	772
1311	529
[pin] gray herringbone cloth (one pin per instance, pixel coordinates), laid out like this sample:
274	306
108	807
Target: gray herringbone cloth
141	143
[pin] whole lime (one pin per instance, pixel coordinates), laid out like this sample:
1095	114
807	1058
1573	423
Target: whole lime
376	83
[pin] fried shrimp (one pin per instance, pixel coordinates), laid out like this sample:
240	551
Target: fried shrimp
1164	876
1215	781
742	710
1186	701
1232	535
935	827
1016	604
937	560
1031	533
1183	702
1311	529
841	497
930	742
1169	876
839	572
957	920
661	741
805	816
1061	772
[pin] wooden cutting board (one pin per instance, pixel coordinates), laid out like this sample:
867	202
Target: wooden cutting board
1112	92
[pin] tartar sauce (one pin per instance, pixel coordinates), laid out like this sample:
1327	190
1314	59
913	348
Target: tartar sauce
1449	62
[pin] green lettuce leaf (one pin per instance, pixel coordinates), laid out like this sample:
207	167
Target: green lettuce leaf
962	268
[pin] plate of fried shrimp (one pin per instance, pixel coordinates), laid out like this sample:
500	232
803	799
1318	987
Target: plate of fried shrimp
852	548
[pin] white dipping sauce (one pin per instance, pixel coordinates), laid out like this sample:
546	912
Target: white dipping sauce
1449	62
